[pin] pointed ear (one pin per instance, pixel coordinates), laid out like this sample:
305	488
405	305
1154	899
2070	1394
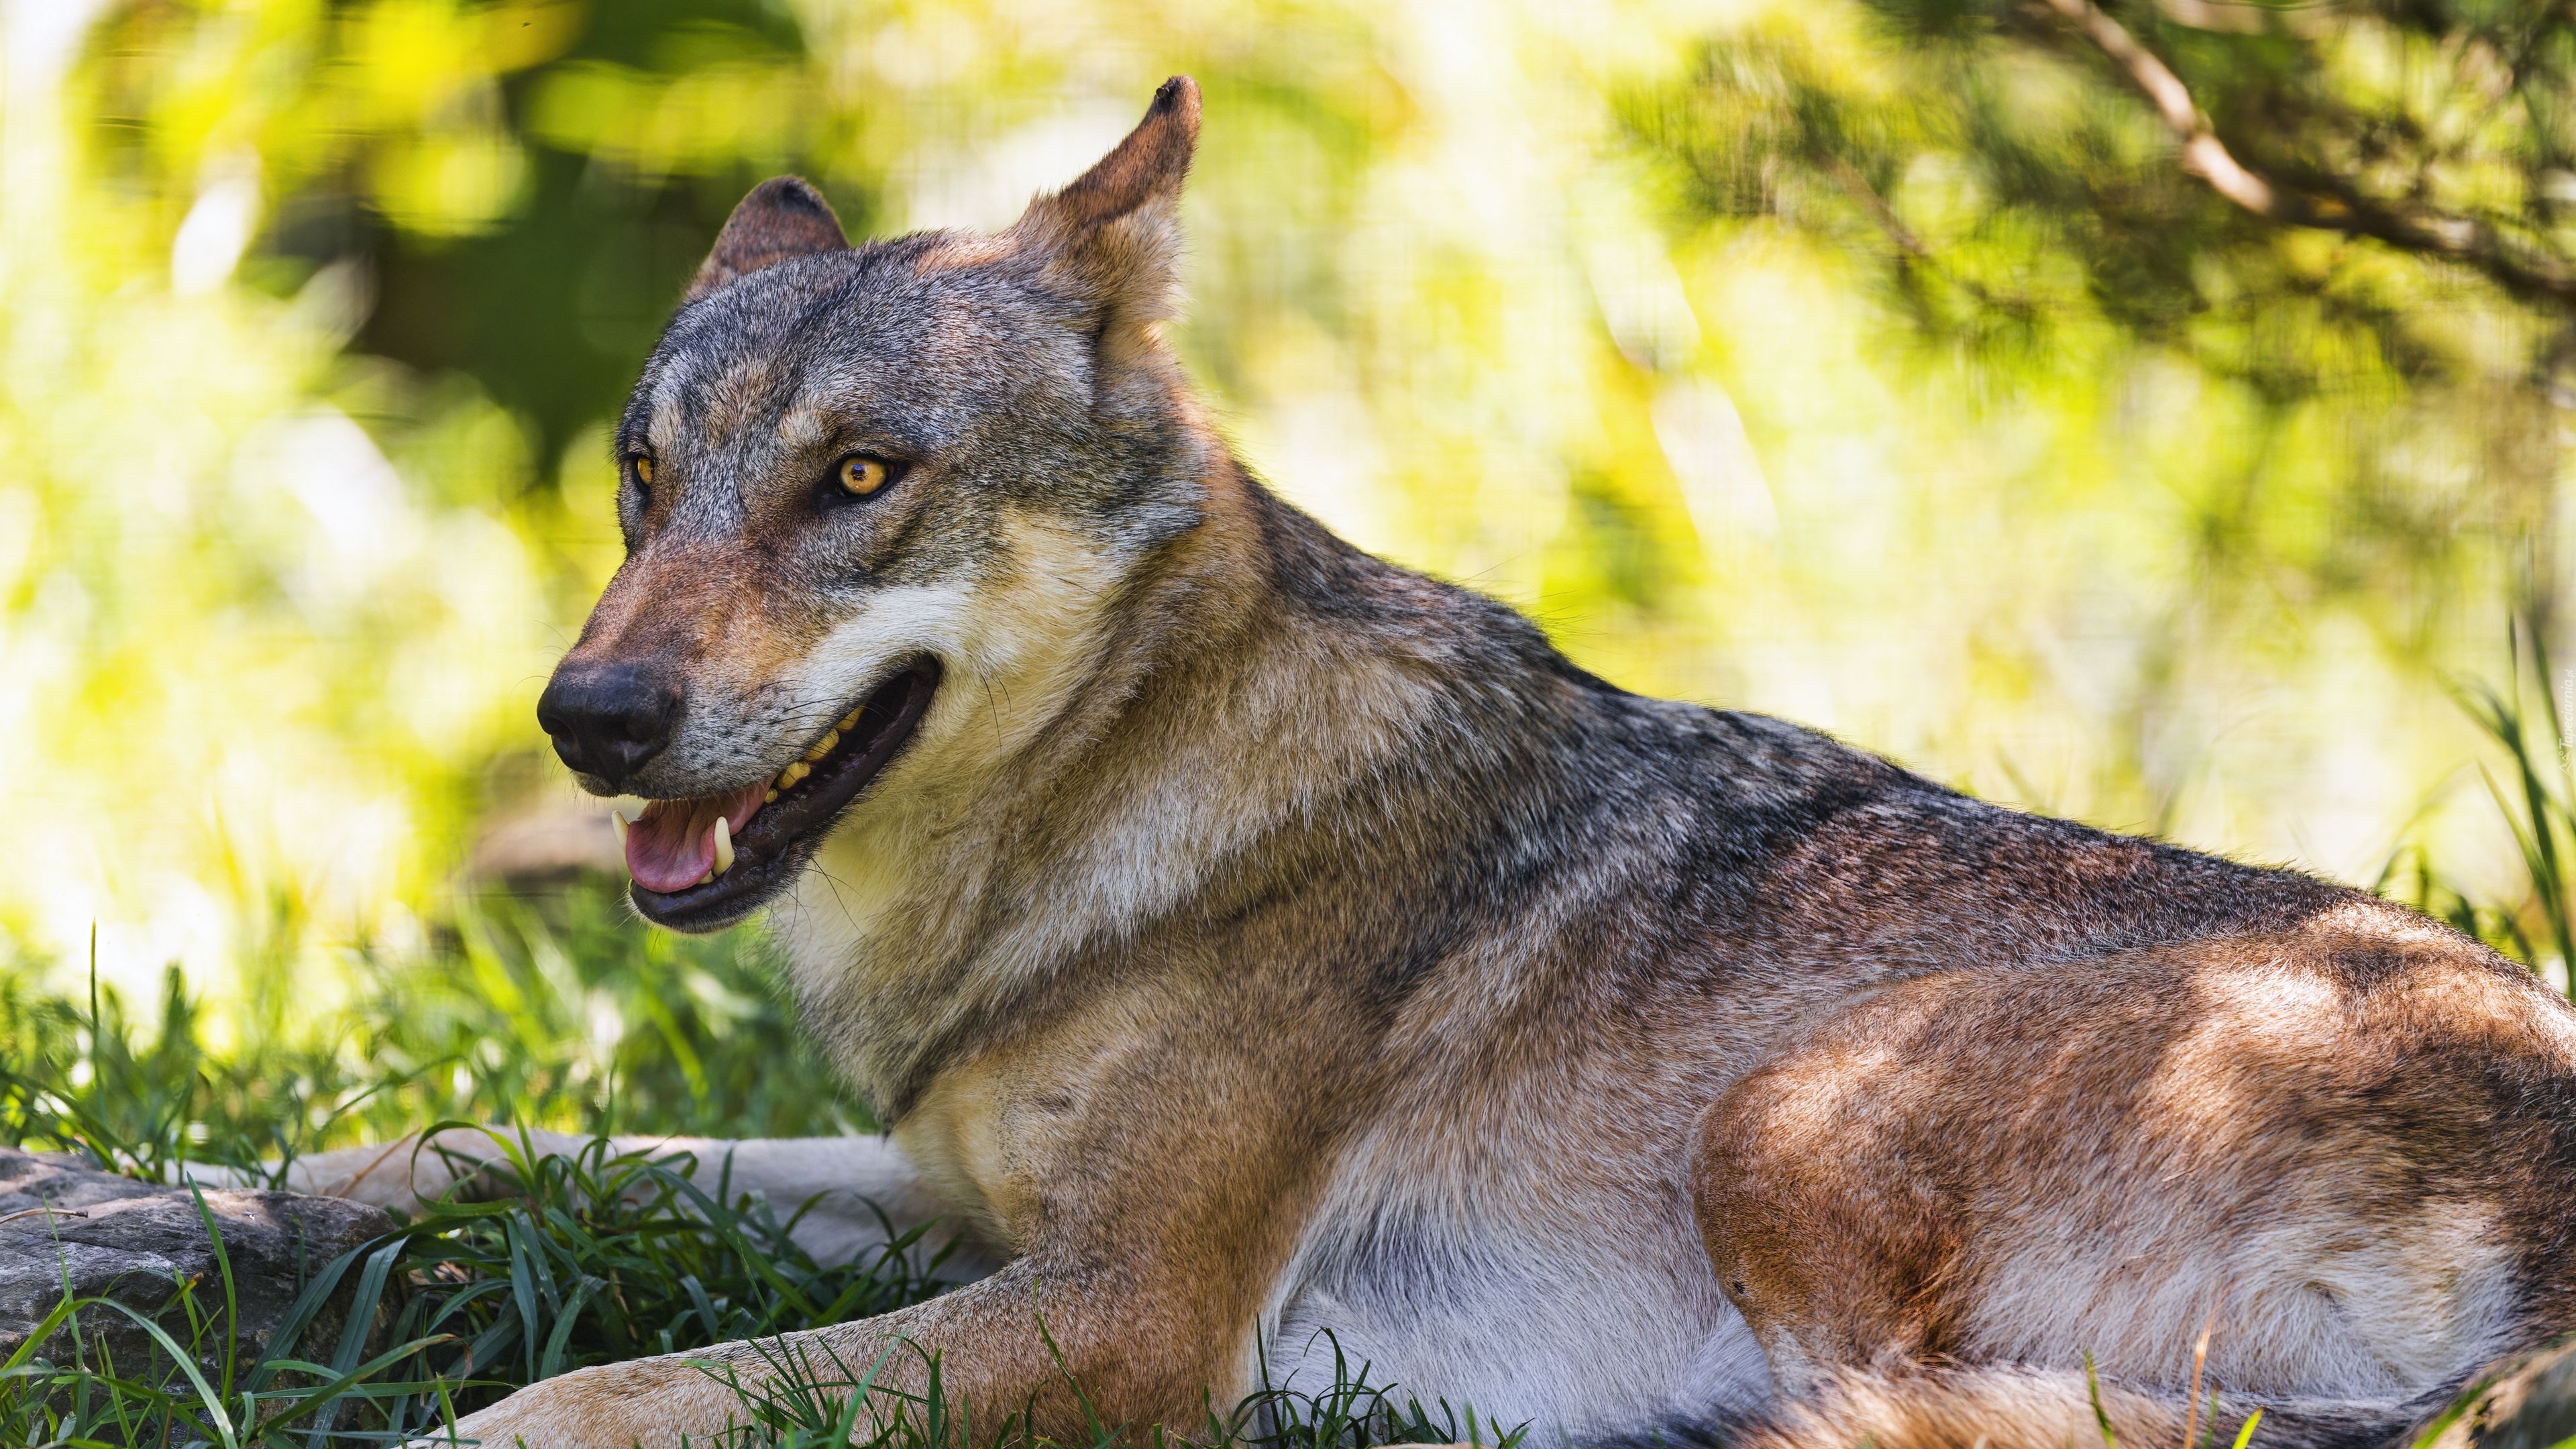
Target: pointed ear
1114	236
783	217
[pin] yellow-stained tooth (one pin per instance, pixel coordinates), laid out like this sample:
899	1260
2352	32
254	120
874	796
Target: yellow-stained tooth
769	799
724	846
849	722
788	777
824	745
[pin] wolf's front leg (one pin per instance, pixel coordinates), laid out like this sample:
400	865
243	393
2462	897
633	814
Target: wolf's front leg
852	1191
1021	1340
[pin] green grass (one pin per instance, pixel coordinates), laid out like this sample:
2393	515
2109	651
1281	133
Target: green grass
554	1009
596	1258
2533	785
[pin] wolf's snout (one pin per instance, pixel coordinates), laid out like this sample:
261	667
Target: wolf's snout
608	721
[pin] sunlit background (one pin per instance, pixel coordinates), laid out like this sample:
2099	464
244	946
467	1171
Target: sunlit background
1715	335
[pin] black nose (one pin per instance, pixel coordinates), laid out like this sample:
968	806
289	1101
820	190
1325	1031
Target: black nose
608	720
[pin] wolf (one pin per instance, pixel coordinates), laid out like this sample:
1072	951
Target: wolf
1265	953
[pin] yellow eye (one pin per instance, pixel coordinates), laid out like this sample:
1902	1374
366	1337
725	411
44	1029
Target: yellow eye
643	470
863	475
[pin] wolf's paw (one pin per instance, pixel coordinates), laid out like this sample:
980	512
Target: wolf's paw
645	1403
574	1411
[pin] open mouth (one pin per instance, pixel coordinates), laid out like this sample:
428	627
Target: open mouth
706	860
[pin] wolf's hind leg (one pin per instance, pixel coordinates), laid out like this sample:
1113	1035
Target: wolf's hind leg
2344	1153
1833	1260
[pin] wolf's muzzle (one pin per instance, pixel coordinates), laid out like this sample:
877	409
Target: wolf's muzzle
608	721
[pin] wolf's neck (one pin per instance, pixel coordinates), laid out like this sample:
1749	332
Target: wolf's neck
1258	697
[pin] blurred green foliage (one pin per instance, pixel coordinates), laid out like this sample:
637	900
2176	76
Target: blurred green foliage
2389	300
1909	367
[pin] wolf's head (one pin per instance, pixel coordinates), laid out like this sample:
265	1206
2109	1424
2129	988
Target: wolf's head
873	497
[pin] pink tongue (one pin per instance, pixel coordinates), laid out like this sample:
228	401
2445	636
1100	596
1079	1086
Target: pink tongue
674	844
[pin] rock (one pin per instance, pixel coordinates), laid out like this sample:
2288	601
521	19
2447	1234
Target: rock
66	1225
2528	1402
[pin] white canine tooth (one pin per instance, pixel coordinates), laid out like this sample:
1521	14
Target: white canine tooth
617	822
724	846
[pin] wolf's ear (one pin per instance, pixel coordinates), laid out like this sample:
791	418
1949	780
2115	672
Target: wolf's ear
782	218
1113	238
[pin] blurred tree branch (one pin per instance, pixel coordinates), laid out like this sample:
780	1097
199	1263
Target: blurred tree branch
2347	229
2171	153
2203	154
2320	198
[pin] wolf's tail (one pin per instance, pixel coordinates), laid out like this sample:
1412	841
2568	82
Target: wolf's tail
2011	1407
